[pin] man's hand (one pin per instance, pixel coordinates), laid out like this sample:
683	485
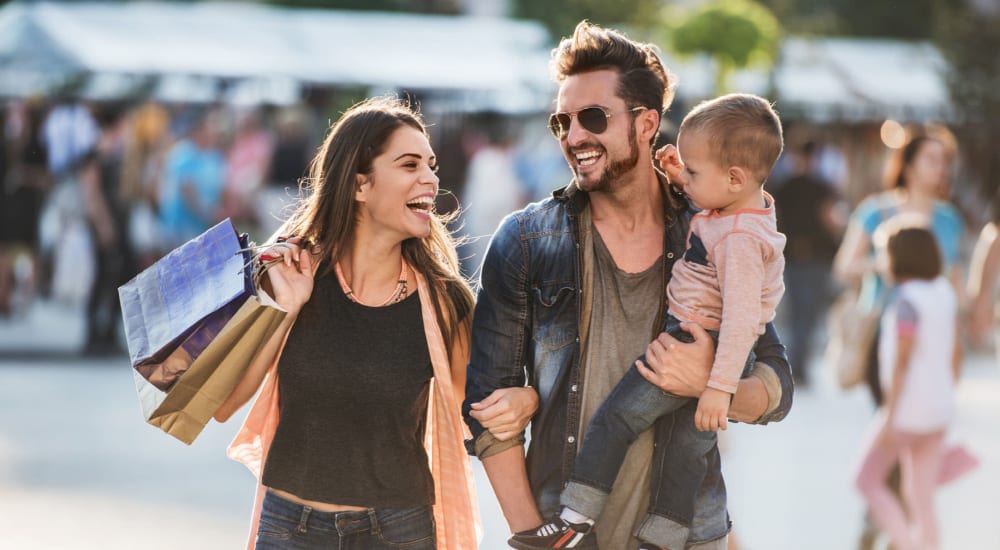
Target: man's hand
677	367
670	162
713	408
506	412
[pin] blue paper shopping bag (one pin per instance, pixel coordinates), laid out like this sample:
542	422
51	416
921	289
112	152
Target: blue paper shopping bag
194	321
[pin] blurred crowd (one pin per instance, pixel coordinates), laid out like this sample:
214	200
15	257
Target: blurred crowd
91	193
94	193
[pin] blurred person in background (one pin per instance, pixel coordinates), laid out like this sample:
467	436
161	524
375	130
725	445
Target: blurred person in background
914	176
913	180
24	185
366	447
70	132
811	214
984	268
107	210
289	160
919	363
190	194
492	189
247	166
147	141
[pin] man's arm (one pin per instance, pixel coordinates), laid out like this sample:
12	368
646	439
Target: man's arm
499	348
682	369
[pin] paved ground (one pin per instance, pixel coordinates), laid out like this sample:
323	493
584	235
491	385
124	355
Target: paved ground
79	469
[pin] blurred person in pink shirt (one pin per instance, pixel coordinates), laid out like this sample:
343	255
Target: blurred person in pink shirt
247	166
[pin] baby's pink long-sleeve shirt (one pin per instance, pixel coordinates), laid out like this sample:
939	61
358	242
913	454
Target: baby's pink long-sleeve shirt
730	280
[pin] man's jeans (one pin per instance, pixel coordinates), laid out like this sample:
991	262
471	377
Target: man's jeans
286	525
680	460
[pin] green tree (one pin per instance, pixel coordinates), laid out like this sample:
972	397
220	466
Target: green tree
969	40
734	33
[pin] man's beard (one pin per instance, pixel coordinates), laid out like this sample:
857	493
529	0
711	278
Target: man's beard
615	168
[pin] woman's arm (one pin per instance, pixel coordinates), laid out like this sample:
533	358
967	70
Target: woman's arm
292	282
506	412
853	261
496	367
509	477
983	270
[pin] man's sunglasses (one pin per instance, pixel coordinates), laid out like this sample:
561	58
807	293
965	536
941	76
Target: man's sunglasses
593	120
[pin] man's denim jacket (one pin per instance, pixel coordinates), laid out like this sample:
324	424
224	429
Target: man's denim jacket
526	330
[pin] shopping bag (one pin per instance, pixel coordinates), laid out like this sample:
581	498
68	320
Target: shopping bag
852	329
194	321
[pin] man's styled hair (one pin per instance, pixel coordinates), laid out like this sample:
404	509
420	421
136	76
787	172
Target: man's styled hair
741	130
643	81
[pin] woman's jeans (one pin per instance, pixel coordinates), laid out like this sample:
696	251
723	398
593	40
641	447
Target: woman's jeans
287	525
679	465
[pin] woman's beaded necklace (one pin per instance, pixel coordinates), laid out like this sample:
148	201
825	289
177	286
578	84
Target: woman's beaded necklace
397	295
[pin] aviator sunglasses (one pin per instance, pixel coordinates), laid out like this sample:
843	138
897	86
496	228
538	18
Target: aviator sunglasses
592	119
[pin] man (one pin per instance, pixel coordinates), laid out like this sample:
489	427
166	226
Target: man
812	217
573	289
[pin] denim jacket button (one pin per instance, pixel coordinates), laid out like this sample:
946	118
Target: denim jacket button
670	255
573	388
571	439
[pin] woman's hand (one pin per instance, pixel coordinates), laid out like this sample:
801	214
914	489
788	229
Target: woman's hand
291	278
677	367
506	412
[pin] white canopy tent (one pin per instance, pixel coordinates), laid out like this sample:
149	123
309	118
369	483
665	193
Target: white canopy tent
863	79
247	52
837	79
501	62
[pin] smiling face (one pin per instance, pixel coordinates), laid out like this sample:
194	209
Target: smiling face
705	181
928	168
598	160
397	196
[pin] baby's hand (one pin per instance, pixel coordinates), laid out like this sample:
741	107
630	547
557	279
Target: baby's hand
713	408
670	162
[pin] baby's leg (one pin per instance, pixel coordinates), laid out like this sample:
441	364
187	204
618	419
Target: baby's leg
681	462
633	406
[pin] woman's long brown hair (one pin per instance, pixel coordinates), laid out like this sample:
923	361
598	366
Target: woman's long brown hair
327	216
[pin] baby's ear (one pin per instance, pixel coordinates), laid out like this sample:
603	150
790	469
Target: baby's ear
738	178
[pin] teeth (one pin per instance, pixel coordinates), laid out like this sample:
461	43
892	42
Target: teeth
421	202
587	155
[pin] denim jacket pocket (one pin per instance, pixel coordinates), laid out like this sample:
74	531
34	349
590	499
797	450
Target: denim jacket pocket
554	311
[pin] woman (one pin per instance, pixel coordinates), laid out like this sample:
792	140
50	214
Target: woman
915	176
365	448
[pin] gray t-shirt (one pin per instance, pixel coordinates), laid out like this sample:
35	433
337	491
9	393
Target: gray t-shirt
625	308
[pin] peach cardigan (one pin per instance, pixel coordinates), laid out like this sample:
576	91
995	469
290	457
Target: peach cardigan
456	511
